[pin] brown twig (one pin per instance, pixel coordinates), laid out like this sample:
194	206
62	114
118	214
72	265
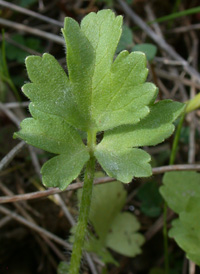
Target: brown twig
75	186
8	158
34	227
9	113
170	76
26	215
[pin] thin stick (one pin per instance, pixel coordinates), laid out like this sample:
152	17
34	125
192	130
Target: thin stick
26	215
8	158
166	75
184	29
37	32
16	104
103	180
5	220
30	13
35	227
10	114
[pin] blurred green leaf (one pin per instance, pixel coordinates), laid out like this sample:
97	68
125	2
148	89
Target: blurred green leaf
151	199
97	246
181	191
123	237
18	54
185	230
126	39
193	104
157	270
149	49
129	1
26	3
107	201
179	187
115	229
63	268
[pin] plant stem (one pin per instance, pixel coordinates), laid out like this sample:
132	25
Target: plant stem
84	208
176	140
171	162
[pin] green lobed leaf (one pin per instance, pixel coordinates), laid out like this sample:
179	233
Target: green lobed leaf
123	236
53	134
181	190
98	94
185	230
112	94
115	229
152	130
50	90
179	187
150	50
107	202
115	152
123	164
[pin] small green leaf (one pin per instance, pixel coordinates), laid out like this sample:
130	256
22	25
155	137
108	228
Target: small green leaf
181	190
150	50
107	202
123	236
50	89
61	170
115	230
126	39
193	104
150	131
115	153
53	134
123	164
179	187
185	230
15	53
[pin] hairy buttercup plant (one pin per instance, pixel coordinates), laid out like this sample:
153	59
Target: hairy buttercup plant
99	94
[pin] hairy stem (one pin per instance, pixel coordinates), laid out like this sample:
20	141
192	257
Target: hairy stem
84	208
